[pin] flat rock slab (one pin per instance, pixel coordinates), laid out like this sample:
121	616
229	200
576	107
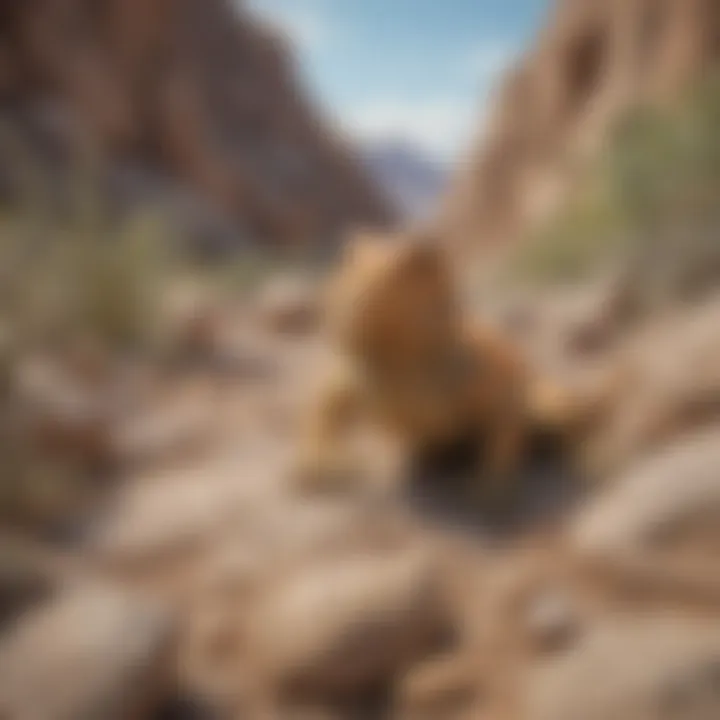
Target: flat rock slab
641	668
345	626
94	654
658	496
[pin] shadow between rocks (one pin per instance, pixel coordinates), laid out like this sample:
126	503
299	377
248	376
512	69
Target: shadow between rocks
440	487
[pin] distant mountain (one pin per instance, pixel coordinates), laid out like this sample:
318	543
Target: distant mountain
411	179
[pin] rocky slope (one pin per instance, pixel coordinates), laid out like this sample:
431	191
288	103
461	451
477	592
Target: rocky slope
593	61
216	588
181	96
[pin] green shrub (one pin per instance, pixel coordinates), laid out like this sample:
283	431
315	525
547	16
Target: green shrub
652	203
99	278
576	244
85	275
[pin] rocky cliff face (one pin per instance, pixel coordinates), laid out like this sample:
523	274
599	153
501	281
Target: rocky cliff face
594	60
197	92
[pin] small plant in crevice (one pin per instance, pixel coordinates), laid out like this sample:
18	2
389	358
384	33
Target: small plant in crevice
650	207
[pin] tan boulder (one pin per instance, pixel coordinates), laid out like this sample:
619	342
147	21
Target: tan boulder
657	498
657	530
93	653
653	667
667	382
346	626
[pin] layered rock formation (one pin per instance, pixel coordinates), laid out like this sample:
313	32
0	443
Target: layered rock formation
182	95
593	61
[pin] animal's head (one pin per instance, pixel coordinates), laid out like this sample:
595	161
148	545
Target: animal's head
392	295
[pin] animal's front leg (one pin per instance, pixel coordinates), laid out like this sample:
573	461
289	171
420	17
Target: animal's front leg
324	461
504	445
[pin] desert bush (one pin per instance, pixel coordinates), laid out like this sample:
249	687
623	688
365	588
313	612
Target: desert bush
94	278
651	205
579	241
72	277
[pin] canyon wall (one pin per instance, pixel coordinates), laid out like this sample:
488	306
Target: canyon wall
196	97
593	61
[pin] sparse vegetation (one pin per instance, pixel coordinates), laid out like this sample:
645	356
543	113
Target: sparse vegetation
578	241
79	277
652	206
248	272
88	279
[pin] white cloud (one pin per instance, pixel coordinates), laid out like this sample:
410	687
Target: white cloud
305	22
441	126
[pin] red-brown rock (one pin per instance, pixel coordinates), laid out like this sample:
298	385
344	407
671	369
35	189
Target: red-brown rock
194	91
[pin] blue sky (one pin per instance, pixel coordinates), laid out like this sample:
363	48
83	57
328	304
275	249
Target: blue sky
419	69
